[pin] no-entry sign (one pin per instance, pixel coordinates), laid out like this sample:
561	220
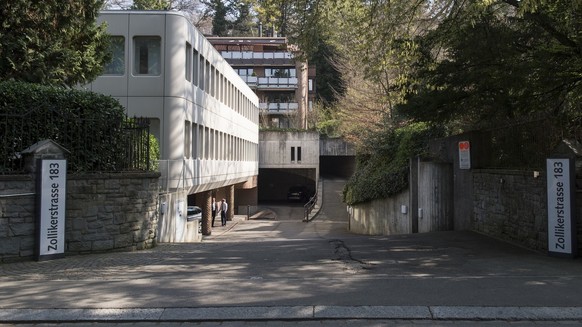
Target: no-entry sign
464	155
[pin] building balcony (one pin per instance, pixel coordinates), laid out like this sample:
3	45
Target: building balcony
256	55
271	82
251	81
278	108
277	82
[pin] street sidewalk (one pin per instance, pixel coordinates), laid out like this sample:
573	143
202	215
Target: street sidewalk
286	270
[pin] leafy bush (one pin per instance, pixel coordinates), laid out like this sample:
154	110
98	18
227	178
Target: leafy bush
154	151
87	124
384	171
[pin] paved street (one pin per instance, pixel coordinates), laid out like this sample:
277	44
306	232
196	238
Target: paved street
280	271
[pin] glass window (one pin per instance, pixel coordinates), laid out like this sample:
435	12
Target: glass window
187	134
245	71
188	62
207	85
117	64
201	72
292	153
195	64
147	55
280	72
195	154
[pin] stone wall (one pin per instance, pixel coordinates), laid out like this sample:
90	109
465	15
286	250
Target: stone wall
105	212
17	217
512	205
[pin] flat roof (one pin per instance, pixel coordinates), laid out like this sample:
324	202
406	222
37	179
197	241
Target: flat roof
247	40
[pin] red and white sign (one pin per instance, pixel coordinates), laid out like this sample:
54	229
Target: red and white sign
464	155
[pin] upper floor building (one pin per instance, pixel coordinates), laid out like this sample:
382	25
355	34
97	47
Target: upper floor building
276	71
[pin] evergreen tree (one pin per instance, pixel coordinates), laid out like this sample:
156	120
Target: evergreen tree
220	25
500	63
51	42
244	24
151	5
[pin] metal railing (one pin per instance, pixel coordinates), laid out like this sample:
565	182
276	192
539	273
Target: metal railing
256	55
272	82
308	207
94	144
284	107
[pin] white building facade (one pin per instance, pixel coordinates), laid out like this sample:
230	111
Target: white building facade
203	114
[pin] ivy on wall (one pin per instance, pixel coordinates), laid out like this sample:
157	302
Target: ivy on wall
383	171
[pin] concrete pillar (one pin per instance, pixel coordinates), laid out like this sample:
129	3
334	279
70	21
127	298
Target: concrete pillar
230	201
207	214
46	161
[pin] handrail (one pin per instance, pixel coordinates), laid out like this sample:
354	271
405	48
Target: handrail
308	207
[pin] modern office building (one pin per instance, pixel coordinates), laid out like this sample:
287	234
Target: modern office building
274	69
203	113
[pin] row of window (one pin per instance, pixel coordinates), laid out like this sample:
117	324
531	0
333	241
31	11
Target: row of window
201	142
148	62
208	78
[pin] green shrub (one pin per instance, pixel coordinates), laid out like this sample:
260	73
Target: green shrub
384	171
87	124
154	153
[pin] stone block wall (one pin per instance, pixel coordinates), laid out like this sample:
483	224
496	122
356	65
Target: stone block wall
105	212
17	217
512	205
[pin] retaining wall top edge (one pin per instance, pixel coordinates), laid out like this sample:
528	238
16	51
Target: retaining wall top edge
509	172
120	175
23	177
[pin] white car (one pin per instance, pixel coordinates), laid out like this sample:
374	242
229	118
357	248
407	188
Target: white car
194	212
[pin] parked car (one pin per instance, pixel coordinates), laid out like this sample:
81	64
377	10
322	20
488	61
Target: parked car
298	193
194	212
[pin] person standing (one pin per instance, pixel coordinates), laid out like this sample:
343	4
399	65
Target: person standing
223	210
214	207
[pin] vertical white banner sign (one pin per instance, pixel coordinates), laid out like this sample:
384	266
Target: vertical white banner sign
560	218
51	225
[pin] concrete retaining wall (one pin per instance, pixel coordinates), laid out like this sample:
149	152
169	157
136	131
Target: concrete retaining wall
381	217
105	212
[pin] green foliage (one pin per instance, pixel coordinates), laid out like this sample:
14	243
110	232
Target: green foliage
327	76
382	170
88	125
500	62
327	123
151	5
154	153
52	42
244	24
220	24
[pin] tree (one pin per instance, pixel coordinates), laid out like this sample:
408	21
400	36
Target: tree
220	25
244	24
374	48
52	42
500	63
151	5
195	10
